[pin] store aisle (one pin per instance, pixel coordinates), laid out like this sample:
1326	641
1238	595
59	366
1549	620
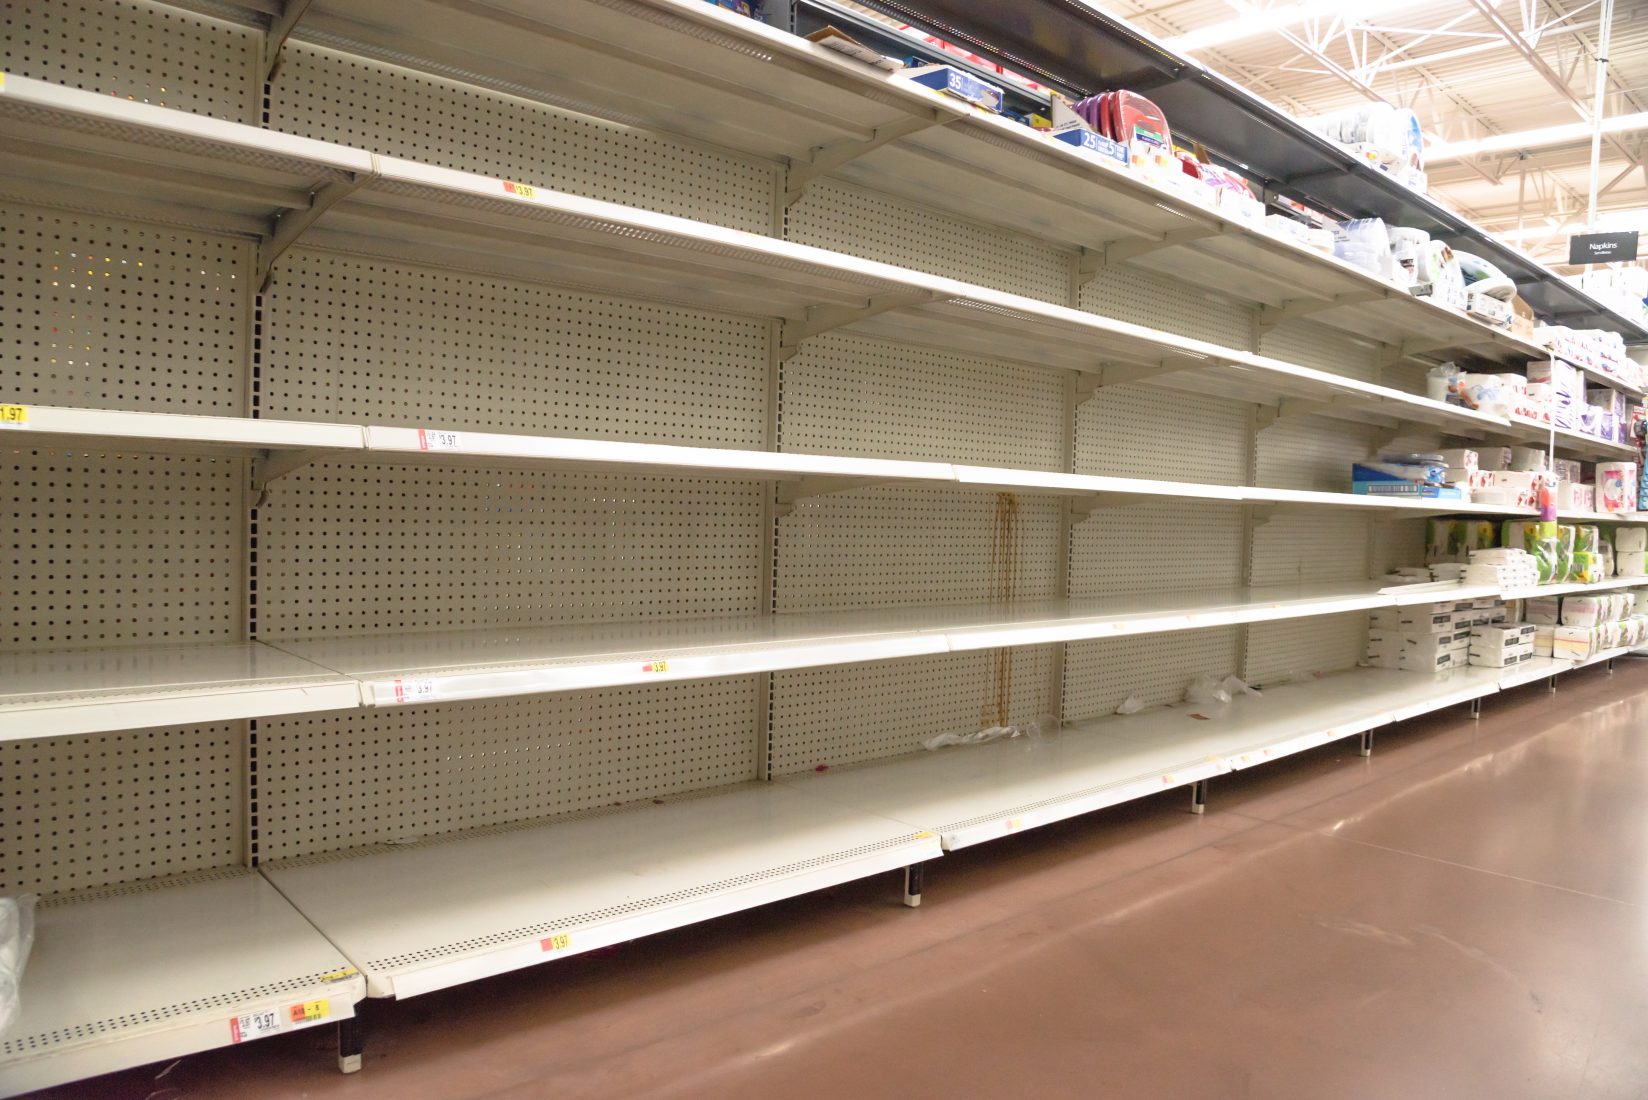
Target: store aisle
1460	916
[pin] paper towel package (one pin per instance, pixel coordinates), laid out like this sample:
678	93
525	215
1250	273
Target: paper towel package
1616	486
1520	634
1572	643
1583	610
1542	610
1544	639
1415	620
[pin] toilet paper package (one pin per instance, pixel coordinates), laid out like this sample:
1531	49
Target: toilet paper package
1542	610
1616	486
1631	563
1493	458
1544	637
1417	620
1583	610
1461	458
1631	538
1572	496
1587	538
1585	567
1568	469
1528	458
1572	643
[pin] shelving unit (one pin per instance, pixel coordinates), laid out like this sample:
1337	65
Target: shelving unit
477	510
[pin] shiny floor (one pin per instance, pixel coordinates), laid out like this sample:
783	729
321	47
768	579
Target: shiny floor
1462	915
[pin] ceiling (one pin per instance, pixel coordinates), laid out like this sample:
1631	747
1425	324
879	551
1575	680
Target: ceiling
1470	69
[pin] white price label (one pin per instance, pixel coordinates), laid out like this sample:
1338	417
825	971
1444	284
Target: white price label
253	1025
420	690
430	439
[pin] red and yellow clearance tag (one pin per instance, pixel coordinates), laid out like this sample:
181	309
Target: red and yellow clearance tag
560	941
520	190
655	666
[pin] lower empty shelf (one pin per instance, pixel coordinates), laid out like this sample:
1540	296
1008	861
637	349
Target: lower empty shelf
135	974
421	917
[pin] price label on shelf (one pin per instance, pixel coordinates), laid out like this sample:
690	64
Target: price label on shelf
253	1025
429	439
655	666
309	1012
420	690
14	416
520	190
560	941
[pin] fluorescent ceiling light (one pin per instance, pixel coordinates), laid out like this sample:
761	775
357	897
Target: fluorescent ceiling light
1254	21
1533	139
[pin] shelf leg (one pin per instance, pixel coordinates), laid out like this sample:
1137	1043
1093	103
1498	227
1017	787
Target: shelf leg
1365	745
1550	685
1610	666
913	875
1476	708
1198	797
351	1042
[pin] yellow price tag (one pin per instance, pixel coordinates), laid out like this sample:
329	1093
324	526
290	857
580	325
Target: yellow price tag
560	941
309	1011
339	975
521	190
655	666
14	416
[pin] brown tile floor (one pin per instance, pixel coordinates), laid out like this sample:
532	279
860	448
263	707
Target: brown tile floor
1460	916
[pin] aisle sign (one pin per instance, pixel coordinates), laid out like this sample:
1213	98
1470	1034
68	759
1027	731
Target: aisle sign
1602	248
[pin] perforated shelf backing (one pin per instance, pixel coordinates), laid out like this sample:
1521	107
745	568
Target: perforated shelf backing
1284	651
352	548
1157	546
331	782
858	222
149	52
322	93
1100	675
1303	548
1128	294
358	340
1310	452
1324	349
845	394
1135	430
833	717
112	549
117	807
897	546
111	314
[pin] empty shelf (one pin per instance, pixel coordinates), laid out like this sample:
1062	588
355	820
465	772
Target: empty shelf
421	917
152	971
172	433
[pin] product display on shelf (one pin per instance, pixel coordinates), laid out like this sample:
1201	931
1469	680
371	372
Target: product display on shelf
786	474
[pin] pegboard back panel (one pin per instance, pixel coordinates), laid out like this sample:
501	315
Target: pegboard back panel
134	49
849	219
1128	294
853	714
1135	430
1324	349
354	340
118	807
102	313
1283	651
351	548
900	547
1100	675
333	96
1156	546
847	394
1394	543
104	549
329	782
1311	547
1312	452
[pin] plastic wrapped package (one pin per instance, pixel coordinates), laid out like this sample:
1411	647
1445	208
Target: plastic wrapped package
1365	243
1044	726
1486	393
1407	249
16	941
1483	277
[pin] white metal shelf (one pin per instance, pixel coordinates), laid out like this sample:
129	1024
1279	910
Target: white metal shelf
1604	378
352	201
976	793
421	917
1570	442
51	694
135	974
778	96
1602	517
1571	588
172	433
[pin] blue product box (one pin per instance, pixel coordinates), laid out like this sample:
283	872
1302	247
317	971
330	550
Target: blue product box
964	86
1090	142
1409	490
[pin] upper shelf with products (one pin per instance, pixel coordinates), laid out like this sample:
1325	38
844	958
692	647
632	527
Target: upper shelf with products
690	68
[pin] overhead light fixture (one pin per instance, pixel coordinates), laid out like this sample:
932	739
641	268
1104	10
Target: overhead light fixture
1533	139
1255	21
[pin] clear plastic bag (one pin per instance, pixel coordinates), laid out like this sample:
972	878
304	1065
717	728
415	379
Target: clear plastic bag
16	940
1044	726
1206	689
1131	705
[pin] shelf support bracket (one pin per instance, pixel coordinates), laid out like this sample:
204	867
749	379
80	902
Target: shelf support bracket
1260	512
824	159
1115	374
1119	252
791	493
1408	349
1295	308
280	29
1288	408
821	319
285	230
272	465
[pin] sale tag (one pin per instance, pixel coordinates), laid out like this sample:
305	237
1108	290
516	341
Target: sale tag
655	666
430	439
310	1011
421	690
253	1025
560	941
14	416
520	190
